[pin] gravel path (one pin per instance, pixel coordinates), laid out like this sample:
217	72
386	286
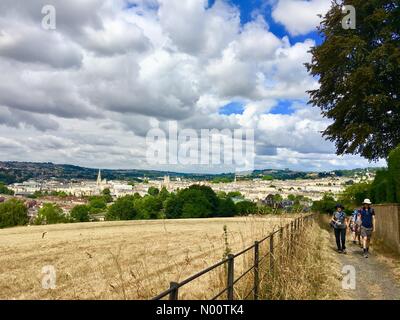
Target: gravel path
374	278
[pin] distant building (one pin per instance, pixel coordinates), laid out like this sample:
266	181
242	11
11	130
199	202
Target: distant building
270	200
99	182
166	183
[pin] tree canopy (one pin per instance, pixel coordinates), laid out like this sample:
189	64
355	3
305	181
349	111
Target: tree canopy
13	213
359	76
5	190
386	186
80	213
50	214
122	209
325	205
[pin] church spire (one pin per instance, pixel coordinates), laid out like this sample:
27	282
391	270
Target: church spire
99	178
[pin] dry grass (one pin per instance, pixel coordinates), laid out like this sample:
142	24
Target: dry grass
123	260
303	271
387	256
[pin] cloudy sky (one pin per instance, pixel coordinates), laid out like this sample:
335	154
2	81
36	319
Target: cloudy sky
88	92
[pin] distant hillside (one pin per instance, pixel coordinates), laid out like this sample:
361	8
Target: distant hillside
290	174
11	172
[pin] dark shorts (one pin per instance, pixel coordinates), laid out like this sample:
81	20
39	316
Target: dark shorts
366	232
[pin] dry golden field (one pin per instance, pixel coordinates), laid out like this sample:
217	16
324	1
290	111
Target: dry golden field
122	260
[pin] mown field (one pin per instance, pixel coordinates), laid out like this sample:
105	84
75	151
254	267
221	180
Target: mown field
123	260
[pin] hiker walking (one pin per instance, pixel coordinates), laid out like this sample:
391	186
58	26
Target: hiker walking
339	223
355	226
367	215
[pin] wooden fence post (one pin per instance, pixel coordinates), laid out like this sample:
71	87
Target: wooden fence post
231	275
287	238
256	270
281	244
271	254
291	236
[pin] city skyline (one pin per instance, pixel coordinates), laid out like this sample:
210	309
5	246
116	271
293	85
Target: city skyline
171	172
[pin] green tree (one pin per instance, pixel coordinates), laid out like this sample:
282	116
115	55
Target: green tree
163	195
267	178
234	194
50	214
107	195
173	206
149	207
382	189
13	213
193	202
354	195
122	209
97	204
153	191
61	194
394	170
5	190
226	208
244	208
358	72
222	180
80	213
325	205
200	202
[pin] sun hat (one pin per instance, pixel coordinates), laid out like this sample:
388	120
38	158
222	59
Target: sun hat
367	201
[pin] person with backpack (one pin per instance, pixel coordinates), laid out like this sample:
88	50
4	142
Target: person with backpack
367	215
355	225
339	223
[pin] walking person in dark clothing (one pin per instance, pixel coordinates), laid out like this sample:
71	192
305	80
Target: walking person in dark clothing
367	225
339	222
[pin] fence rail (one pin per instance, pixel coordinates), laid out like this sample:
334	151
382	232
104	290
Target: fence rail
290	228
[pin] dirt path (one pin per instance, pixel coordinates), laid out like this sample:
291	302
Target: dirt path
374	278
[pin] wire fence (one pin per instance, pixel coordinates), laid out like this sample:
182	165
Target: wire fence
286	236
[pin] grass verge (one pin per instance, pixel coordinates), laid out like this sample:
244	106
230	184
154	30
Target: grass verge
303	270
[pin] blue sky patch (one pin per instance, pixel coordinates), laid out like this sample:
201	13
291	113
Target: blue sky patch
283	107
249	7
232	108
